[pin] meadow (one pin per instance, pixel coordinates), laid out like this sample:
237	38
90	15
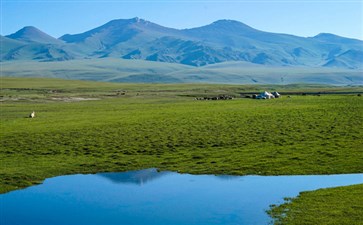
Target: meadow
141	71
90	127
338	206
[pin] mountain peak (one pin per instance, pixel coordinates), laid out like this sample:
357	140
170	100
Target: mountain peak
225	25
26	32
123	22
30	29
222	28
119	30
227	21
230	23
327	37
32	34
138	20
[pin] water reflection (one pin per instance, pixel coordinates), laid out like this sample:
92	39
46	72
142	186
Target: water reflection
228	177
138	177
164	198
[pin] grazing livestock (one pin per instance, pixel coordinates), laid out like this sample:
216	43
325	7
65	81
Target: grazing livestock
221	97
32	115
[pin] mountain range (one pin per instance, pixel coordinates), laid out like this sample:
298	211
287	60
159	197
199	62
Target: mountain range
221	42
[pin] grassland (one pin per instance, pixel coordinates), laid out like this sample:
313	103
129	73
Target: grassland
89	127
334	206
140	71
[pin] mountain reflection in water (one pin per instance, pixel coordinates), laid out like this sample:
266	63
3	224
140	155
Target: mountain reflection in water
138	177
141	177
157	198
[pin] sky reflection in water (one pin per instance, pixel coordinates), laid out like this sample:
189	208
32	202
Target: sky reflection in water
160	198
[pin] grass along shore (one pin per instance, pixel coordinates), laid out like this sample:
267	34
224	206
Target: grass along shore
333	206
90	127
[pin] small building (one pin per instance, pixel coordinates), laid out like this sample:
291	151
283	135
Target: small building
276	94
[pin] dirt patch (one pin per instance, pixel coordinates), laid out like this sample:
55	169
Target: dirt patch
74	99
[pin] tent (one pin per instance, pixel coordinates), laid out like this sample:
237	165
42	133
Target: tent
265	95
276	94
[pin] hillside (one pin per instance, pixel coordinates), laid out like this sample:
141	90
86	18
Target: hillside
239	52
221	41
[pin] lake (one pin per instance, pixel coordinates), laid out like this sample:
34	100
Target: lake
161	198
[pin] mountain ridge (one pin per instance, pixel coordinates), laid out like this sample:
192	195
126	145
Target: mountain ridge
221	41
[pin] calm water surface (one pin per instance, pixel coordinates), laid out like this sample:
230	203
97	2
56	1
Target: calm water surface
149	197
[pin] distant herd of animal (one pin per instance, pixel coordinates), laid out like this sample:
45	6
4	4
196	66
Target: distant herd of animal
221	97
263	95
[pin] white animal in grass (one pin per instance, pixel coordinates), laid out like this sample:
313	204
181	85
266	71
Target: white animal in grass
32	115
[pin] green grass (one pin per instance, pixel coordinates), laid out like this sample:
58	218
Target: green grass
141	71
163	126
333	206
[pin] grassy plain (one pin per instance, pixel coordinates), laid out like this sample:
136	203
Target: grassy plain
89	127
141	71
334	206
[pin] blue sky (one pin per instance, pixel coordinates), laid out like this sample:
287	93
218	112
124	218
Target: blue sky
298	17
